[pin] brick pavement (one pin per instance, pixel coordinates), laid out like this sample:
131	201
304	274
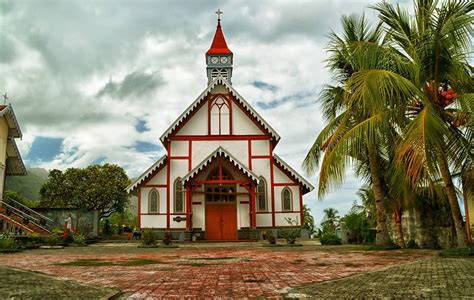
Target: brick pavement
201	272
437	278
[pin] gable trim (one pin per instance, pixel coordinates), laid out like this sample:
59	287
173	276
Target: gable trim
145	175
307	187
198	102
220	152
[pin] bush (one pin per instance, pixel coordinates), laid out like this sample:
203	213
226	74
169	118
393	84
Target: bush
167	239
454	252
67	236
52	240
329	238
270	238
79	239
412	244
7	242
290	234
148	238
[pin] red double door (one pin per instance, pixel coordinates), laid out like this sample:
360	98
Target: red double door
221	221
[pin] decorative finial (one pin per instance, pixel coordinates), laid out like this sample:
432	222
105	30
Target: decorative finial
5	98
219	13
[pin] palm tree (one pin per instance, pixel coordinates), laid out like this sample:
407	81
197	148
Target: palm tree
331	219
436	45
356	117
308	222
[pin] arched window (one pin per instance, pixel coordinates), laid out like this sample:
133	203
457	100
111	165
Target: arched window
214	175
178	196
153	201
286	199
262	195
220	116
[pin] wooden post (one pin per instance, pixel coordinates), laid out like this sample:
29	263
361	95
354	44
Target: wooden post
189	208
253	214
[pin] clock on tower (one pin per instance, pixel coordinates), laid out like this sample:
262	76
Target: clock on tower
219	57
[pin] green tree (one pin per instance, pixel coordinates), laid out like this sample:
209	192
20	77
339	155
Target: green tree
308	222
436	47
330	220
100	187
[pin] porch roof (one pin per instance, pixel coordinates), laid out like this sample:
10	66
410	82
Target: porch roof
220	152
307	187
145	175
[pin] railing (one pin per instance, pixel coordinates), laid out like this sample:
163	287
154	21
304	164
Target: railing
26	214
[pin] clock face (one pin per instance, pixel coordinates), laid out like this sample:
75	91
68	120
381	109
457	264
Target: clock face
214	60
223	59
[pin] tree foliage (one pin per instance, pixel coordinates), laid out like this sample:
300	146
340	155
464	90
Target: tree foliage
100	187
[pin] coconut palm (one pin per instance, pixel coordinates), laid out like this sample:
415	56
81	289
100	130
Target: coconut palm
356	118
331	219
436	139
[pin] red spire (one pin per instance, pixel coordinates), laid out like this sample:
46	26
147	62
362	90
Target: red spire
219	46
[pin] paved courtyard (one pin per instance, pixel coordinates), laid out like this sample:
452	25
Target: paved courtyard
206	270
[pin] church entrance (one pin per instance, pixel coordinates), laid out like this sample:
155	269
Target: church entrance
221	209
221	213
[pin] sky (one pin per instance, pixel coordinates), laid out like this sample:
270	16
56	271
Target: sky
100	81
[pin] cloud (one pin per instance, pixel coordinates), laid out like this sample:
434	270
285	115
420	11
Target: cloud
106	78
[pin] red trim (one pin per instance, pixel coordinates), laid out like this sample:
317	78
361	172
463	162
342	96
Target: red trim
244	202
253	220
155	185
301	206
241	137
250	153
260	126
165	214
139	223
286	184
278	212
224	181
179	157
288	174
153	174
190	155
188	207
260	157
168	173
272	183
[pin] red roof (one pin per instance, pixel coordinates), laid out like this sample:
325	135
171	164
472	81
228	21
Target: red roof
219	46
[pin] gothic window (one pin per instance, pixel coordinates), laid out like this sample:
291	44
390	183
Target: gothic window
178	196
262	195
220	117
214	175
153	201
286	199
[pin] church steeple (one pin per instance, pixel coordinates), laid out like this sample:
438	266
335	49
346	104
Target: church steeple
219	58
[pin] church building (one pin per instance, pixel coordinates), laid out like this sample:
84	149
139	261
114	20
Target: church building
220	178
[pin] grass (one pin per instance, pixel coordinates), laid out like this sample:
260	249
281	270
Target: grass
101	263
457	252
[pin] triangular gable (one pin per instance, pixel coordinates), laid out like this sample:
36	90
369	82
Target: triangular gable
145	175
219	80
307	187
220	152
13	126
14	164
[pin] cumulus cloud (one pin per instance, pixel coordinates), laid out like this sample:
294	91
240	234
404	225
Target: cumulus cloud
104	79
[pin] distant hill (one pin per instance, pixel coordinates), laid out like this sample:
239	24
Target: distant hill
28	186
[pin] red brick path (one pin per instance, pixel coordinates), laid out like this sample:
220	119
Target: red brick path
186	272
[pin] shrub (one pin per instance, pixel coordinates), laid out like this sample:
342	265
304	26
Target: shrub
290	234
148	238
7	242
167	239
270	238
67	236
79	239
453	252
412	244
330	238
52	240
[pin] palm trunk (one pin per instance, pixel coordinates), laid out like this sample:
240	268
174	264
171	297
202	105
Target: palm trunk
382	238
398	222
468	195
453	201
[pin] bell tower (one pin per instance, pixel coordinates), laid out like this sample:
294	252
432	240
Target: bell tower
219	58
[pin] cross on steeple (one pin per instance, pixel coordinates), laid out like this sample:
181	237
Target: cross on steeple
218	13
5	98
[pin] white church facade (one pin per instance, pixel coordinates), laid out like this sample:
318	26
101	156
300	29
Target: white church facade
220	178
